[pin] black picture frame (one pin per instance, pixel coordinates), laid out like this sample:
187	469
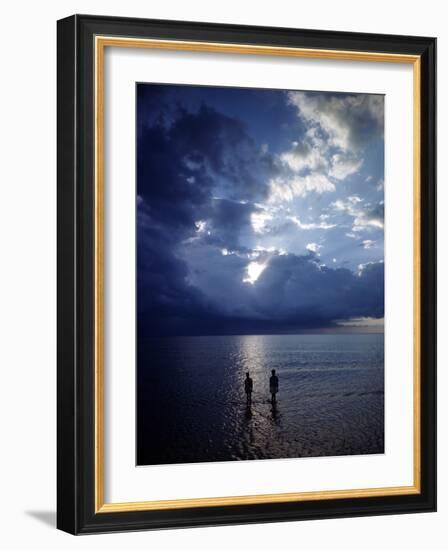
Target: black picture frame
76	512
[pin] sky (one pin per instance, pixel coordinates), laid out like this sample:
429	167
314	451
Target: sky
259	211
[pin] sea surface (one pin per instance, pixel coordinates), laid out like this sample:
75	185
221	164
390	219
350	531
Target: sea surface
191	405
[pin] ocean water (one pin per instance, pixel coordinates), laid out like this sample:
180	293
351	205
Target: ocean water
191	405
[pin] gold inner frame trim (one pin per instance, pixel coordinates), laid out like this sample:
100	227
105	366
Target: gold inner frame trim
101	42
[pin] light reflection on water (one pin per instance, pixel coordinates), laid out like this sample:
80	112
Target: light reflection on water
192	406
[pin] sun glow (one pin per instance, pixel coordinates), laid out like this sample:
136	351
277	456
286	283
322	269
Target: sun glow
254	270
259	221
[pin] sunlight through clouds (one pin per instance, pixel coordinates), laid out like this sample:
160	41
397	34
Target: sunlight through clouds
254	270
259	220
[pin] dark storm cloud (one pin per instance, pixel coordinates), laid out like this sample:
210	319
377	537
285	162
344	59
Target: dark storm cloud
206	149
180	168
294	288
221	146
226	221
292	293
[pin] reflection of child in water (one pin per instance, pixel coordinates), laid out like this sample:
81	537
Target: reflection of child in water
273	386
248	387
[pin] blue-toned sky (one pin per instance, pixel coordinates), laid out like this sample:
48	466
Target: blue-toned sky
259	211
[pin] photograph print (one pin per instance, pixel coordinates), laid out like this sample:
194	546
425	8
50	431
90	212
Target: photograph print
260	273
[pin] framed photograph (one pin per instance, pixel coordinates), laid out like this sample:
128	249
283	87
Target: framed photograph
246	274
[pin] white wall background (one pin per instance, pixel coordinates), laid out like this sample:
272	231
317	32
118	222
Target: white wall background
28	273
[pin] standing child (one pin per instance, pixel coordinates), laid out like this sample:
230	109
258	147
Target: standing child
248	387
273	386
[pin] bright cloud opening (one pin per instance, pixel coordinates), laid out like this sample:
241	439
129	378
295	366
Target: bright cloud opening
254	270
313	247
200	226
259	220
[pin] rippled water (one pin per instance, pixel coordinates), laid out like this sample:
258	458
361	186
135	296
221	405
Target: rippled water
191	405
